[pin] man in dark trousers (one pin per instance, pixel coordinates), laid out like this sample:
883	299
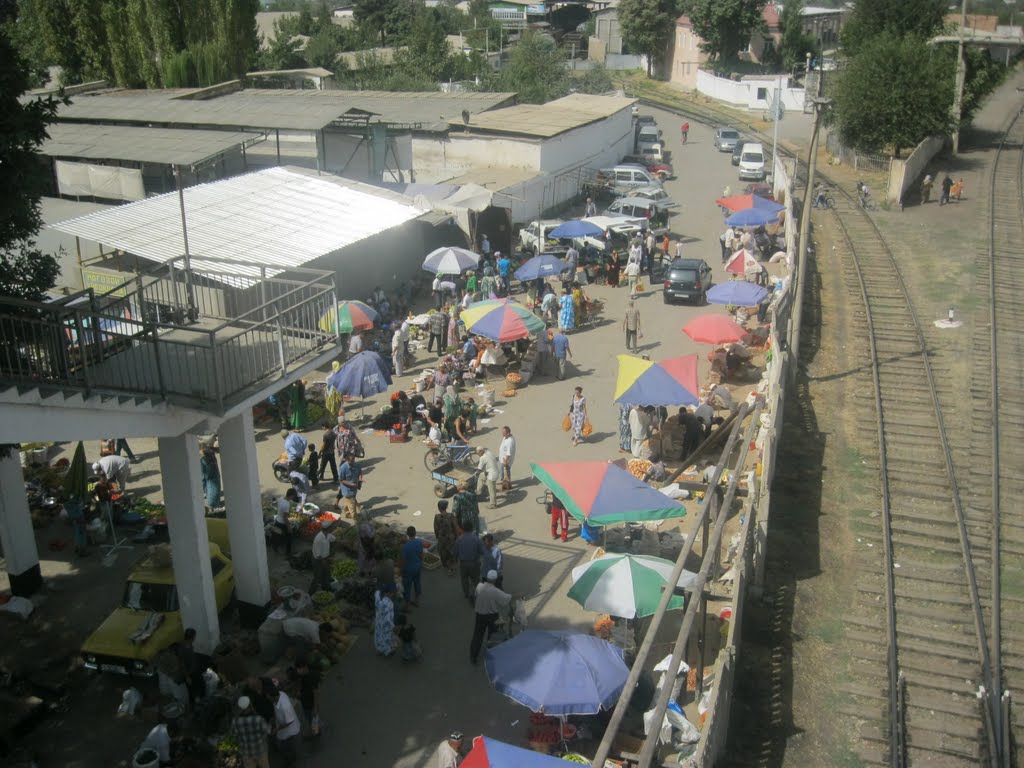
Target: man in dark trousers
438	324
947	184
468	551
489	604
693	432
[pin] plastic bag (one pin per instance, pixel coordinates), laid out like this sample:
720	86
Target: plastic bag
18	605
566	423
587	430
131	700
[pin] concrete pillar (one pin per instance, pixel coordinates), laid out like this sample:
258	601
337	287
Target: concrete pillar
186	524
16	534
240	476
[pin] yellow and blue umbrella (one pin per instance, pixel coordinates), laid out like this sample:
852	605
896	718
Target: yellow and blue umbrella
670	382
348	316
501	320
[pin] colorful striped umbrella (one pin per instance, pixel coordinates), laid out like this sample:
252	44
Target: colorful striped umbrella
501	320
714	329
348	316
626	585
744	202
670	382
603	493
450	260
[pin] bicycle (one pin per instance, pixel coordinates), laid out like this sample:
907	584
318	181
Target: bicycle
449	453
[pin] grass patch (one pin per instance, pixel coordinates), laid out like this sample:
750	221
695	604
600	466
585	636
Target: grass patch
829	631
1012	579
853	461
844	757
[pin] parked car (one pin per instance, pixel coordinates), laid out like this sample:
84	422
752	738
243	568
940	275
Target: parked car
760	189
752	163
663	170
150	597
648	134
533	237
657	194
687	279
652	152
726	139
641	208
622	178
618	230
737	151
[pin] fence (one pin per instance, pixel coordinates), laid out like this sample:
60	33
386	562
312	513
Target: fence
750	558
859	161
905	172
750	92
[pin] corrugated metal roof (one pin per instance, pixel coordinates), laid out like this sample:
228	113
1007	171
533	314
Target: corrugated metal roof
167	146
279	218
301	110
547	120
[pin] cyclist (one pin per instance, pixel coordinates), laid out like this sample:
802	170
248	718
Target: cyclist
685	131
865	194
819	196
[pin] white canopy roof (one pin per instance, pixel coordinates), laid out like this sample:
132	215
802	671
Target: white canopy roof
280	218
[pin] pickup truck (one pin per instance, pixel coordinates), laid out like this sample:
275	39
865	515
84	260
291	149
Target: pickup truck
533	237
149	617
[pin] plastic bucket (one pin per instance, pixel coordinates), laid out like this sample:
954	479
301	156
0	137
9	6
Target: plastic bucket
146	758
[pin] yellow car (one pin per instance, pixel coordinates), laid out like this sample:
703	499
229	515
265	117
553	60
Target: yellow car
149	619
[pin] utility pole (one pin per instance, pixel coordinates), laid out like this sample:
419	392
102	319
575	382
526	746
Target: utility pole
961	75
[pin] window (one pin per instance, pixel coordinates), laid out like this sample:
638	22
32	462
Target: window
150	597
762	94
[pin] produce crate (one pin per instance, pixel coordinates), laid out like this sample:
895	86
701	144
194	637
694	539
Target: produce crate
397	437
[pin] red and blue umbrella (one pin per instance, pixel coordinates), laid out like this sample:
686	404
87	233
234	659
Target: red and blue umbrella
745	202
491	753
501	320
670	382
603	493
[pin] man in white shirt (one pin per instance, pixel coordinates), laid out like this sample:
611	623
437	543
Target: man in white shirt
448	752
398	353
635	252
572	258
506	455
490	603
355	344
435	289
288	728
116	468
704	414
488	467
321	562
590	210
679	249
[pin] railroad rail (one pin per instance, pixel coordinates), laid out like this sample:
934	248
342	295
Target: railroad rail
944	697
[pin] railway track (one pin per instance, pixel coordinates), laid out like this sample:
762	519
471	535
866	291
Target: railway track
944	595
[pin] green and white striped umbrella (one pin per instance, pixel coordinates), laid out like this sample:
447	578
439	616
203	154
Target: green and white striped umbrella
625	585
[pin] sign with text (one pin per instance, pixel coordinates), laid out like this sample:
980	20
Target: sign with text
104	281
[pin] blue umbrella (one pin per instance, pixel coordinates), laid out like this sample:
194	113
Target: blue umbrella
575	228
738	292
543	265
561	673
364	374
752	217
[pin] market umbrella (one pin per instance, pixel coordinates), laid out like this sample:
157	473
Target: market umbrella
746	202
743	263
491	753
575	228
348	316
670	382
557	672
626	585
450	260
76	481
603	493
752	217
363	375
714	329
501	320
738	292
543	265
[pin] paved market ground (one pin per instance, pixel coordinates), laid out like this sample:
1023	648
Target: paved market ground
378	712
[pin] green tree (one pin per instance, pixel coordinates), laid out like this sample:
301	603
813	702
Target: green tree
892	94
427	54
374	15
25	272
26	34
322	50
647	27
535	69
282	52
725	26
870	18
595	80
795	43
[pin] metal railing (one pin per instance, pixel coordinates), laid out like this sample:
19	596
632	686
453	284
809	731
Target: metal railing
205	339
859	161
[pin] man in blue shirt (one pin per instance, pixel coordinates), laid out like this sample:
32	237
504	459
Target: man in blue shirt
494	560
351	477
412	565
504	267
295	446
562	352
469	350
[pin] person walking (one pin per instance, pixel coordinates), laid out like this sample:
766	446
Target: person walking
493	559
436	323
309	693
485	247
468	551
489	602
448	752
693	432
926	188
577	415
351	480
506	456
444	531
947	185
632	273
250	732
958	189
614	268
559	518
624	431
321	551
327	445
384	619
397	352
631	325
487	466
567	310
209	472
590	209
288	728
543	351
562	351
466	507
121	444
411	566
504	266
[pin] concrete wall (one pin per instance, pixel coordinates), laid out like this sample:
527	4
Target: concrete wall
686	57
437	158
903	174
750	93
597	145
349	155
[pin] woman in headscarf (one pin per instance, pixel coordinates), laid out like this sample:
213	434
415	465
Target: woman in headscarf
614	264
444	530
384	620
452	409
577	415
567	312
624	431
466	507
333	398
210	473
299	417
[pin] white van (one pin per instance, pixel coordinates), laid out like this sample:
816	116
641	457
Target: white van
622	178
646	136
752	163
